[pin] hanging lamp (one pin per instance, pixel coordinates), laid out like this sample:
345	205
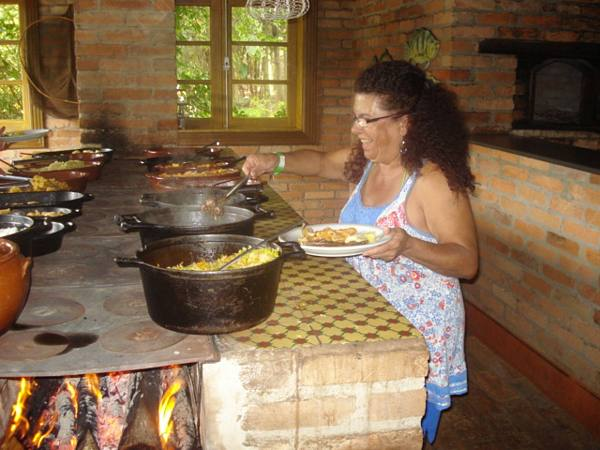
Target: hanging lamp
277	9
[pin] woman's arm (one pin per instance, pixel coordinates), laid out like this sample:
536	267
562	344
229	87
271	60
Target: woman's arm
448	217
300	162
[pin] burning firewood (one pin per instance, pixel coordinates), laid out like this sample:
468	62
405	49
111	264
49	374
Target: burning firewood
142	425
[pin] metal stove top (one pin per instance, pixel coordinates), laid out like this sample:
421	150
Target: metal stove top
85	314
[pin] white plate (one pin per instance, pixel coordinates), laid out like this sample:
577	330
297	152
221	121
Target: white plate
24	135
337	251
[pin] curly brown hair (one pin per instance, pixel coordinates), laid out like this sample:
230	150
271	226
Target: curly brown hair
436	128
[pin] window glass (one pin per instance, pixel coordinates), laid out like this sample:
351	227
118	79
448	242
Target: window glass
193	62
9	22
197	100
259	100
11	102
247	28
192	23
253	62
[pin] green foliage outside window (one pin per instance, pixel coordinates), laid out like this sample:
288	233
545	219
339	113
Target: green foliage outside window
11	95
250	62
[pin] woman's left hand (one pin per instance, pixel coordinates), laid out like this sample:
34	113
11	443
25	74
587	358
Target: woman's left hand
391	249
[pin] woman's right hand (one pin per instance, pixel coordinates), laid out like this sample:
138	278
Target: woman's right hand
259	164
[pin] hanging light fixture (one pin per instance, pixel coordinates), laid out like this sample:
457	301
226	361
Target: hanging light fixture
277	9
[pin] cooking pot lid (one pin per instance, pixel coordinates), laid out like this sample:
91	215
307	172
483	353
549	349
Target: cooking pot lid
193	217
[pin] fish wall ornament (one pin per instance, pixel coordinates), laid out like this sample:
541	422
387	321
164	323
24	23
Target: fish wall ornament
421	48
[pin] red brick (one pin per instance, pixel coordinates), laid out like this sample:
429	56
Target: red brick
562	243
558	276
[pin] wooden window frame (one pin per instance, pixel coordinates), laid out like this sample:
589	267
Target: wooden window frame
304	130
33	116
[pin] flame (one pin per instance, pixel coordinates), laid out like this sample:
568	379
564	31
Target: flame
165	410
93	383
43	423
19	422
74	395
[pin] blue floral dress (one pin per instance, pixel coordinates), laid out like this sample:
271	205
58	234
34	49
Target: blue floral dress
431	301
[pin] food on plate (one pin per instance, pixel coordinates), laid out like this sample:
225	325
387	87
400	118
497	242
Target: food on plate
338	236
254	257
217	172
61	165
41	184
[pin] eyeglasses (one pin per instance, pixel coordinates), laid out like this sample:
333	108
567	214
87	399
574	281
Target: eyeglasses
362	122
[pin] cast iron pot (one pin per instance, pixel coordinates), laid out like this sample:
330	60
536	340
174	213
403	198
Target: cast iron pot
50	240
194	198
27	230
160	223
207	302
68	199
48	213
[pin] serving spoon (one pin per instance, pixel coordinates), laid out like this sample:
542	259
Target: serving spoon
214	206
260	244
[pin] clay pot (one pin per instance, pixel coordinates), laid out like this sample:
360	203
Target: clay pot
15	279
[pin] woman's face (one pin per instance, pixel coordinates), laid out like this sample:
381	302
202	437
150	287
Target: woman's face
381	140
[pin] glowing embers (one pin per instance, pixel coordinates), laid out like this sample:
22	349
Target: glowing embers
148	409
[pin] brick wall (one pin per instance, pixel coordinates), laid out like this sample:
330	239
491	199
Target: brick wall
360	397
539	236
126	72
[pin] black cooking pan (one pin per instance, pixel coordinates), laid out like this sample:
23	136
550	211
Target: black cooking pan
68	199
50	240
207	302
26	227
48	213
160	223
195	198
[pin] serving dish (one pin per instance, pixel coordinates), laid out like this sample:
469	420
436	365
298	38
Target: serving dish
336	251
67	199
24	135
48	213
92	169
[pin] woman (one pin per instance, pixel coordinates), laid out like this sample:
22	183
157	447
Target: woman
413	179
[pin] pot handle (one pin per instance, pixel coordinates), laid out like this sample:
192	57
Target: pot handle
262	213
87	197
292	249
148	200
127	262
69	226
131	222
40	226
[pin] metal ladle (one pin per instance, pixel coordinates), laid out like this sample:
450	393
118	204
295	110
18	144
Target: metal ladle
214	206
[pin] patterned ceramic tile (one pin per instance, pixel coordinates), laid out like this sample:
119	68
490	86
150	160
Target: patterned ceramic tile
321	300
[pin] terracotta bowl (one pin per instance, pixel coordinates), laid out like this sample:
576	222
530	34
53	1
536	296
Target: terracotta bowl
101	154
92	170
162	181
75	179
15	279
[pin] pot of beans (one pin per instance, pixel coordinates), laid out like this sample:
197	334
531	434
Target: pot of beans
187	290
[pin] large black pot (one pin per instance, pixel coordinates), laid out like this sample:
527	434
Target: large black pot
206	302
68	199
27	230
161	223
196	197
